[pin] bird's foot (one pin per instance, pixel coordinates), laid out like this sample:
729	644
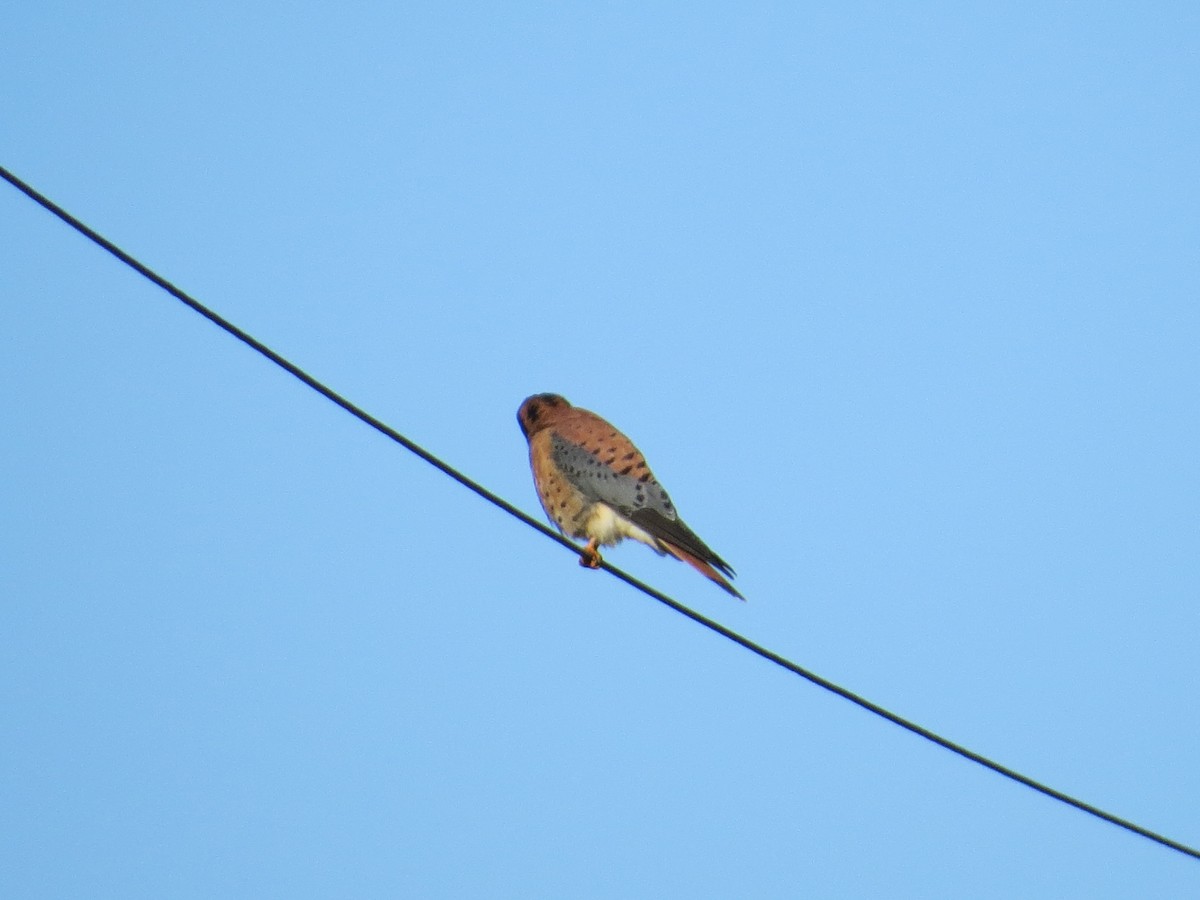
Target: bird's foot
589	556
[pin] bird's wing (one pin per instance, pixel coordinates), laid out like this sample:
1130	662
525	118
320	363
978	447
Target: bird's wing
605	474
615	474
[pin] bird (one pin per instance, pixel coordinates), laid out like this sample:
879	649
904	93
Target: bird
594	483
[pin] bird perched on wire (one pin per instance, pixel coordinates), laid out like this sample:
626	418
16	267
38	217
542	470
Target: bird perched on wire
594	484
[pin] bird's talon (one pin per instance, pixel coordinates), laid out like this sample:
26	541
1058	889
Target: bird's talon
589	556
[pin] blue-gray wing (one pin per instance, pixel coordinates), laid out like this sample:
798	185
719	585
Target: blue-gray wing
597	480
636	495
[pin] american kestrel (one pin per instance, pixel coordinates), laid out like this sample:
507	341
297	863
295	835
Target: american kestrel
594	484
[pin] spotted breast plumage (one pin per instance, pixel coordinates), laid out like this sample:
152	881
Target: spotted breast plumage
595	484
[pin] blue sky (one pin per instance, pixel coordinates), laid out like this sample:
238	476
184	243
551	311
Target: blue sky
899	300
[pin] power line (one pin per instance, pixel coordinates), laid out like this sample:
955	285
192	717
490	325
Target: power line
483	492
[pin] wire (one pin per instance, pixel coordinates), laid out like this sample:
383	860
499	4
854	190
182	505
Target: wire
483	492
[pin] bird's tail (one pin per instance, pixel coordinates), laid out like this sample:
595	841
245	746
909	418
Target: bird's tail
704	568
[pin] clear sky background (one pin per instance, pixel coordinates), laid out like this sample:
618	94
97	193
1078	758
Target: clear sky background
900	301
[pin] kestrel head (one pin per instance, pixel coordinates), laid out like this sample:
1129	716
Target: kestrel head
537	411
